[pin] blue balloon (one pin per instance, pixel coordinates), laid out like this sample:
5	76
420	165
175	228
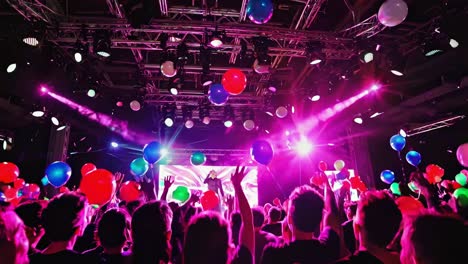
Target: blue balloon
262	152
387	176
139	167
58	173
413	158
259	11
397	142
217	94
152	152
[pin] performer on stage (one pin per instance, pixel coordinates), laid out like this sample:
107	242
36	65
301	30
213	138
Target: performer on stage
214	184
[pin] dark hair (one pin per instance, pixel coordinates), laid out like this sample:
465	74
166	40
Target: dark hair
111	228
375	209
63	215
31	212
150	224
258	217
274	214
306	208
433	239
207	239
132	206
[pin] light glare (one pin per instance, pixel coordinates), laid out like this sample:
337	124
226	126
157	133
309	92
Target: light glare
358	120
169	122
315	98
11	68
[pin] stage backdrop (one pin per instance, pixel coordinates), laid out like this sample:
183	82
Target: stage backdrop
194	176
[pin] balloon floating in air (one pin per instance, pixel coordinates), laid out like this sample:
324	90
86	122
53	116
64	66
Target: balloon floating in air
217	94
58	173
392	12
262	152
259	11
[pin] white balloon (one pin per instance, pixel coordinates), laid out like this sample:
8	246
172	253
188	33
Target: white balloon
281	112
168	69
393	12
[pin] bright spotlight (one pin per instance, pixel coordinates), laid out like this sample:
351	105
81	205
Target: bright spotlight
315	61
375	87
174	91
114	144
11	68
189	123
5	145
315	98
304	147
78	57
358	120
396	73
216	42
31	41
43	89
55	121
169	122
91	93
376	114
228	123
368	57
293	109
454	43
164	152
403	133
38	113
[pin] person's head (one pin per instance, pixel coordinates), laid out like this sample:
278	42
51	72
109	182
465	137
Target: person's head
13	242
132	206
31	212
305	210
207	239
274	214
112	229
377	219
151	232
433	239
350	210
213	174
258	218
64	218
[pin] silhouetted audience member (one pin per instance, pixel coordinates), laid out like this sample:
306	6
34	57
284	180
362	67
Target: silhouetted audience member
63	220
304	217
151	233
262	238
236	222
274	224
434	239
13	240
376	223
31	212
348	229
112	232
132	206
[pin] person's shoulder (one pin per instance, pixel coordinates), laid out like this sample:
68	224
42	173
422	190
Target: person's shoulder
360	257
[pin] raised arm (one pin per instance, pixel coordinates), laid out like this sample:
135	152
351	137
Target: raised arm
331	218
246	234
221	188
168	181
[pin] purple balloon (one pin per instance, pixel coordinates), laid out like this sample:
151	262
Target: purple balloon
262	152
217	94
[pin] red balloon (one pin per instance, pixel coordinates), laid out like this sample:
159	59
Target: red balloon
362	186
346	185
434	173
234	81
64	189
209	200
18	183
322	165
99	186
10	193
8	172
355	182
33	190
130	191
87	168
409	205
455	185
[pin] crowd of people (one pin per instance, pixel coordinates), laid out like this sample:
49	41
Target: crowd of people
314	225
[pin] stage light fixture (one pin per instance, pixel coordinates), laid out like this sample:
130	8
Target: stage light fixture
314	53
11	68
55	121
304	147
102	43
60	128
205	61
358	120
216	40
175	38
169	115
204	114
80	51
367	56
182	53
454	43
315	98
114	144
228	116
248	119
31	38
262	60
187	115
38	113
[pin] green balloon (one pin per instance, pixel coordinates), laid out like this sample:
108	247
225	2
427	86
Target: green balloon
139	167
181	193
198	158
461	194
461	179
395	188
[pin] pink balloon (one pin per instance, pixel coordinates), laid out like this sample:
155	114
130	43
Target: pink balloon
462	154
392	12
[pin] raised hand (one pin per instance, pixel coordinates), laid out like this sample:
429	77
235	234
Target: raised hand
238	176
168	181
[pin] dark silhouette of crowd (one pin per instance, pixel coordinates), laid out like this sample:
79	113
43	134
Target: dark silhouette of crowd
314	225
